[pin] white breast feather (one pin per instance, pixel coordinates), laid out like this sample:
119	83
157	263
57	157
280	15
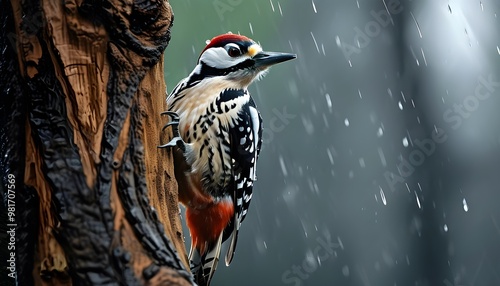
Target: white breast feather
190	109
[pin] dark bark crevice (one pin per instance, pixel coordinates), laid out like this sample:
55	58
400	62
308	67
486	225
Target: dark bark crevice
83	233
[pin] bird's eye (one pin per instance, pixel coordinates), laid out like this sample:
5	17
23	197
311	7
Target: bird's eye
233	50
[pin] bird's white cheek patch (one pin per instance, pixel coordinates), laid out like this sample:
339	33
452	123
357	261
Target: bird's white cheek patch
218	58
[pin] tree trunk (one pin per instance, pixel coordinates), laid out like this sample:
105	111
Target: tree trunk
87	197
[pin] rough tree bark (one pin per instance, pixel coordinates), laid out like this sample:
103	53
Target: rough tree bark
82	89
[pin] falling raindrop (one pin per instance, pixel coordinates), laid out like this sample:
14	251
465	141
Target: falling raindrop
251	28
467	34
414	56
409	138
330	156
382	157
310	259
405	142
315	43
359	92
308	125
466	207
416	24
418	201
498	50
382	196
339	44
313	108
423	56
362	162
445	228
346	122
481	3
272	6
389	13
261	245
400	105
340	243
345	270
328	101
380	132
283	167
314	7
279	6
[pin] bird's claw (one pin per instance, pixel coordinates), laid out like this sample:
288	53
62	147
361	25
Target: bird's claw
170	124
174	122
177	140
173	115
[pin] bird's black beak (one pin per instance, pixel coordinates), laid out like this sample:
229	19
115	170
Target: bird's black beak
266	59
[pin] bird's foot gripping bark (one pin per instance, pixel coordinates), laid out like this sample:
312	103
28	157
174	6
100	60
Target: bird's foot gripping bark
177	140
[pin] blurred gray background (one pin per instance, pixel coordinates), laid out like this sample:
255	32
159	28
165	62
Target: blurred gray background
380	163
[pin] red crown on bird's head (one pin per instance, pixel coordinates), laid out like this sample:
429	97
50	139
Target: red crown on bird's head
224	39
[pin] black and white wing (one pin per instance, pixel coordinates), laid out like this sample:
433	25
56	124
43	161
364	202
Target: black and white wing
246	141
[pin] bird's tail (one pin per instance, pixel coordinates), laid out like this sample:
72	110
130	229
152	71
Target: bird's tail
203	265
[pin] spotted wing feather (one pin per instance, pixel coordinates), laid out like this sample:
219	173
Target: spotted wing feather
246	142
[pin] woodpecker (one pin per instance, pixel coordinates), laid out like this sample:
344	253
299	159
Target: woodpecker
217	133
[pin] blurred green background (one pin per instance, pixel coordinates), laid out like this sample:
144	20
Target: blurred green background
382	167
